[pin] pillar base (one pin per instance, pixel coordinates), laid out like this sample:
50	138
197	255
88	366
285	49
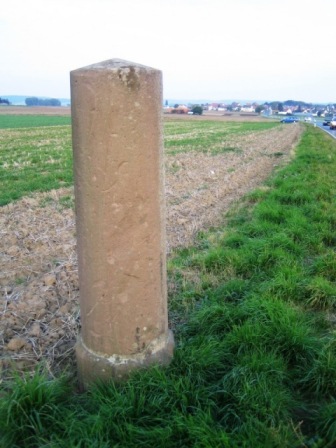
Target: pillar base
94	366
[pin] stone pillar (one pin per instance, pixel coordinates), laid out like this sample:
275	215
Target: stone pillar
120	212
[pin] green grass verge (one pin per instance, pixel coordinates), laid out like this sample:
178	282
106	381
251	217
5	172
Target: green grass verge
253	310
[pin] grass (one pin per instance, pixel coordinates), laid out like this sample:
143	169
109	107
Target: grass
34	159
211	137
253	307
29	121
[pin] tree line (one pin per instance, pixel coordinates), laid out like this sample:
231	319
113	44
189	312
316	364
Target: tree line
34	101
4	101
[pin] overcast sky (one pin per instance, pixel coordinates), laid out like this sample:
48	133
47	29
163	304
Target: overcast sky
207	49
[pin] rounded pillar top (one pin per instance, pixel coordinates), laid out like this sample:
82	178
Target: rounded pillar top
115	65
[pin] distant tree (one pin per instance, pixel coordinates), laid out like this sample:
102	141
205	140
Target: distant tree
54	102
280	107
197	110
259	109
4	101
176	106
291	103
294	103
166	103
32	101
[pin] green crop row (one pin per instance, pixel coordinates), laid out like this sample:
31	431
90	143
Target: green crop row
205	136
34	159
32	121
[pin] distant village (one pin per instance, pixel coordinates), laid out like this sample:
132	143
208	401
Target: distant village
268	108
288	107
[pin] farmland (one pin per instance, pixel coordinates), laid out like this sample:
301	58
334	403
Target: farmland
31	121
37	111
39	158
38	231
250	224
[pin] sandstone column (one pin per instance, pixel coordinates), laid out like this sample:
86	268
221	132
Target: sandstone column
119	194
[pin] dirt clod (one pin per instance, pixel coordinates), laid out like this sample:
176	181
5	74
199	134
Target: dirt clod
16	344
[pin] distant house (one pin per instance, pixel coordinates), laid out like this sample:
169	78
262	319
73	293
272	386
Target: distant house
181	109
247	108
235	106
217	106
267	111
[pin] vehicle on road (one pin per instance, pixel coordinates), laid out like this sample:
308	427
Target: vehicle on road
327	119
289	120
333	123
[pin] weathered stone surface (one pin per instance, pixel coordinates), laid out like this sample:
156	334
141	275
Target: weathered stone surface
118	164
92	365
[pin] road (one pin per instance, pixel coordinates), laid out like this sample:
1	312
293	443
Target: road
326	129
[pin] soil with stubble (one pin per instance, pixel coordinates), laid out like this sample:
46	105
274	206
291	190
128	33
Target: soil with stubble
39	309
35	110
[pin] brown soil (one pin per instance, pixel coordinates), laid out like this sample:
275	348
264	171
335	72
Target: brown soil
36	110
39	311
